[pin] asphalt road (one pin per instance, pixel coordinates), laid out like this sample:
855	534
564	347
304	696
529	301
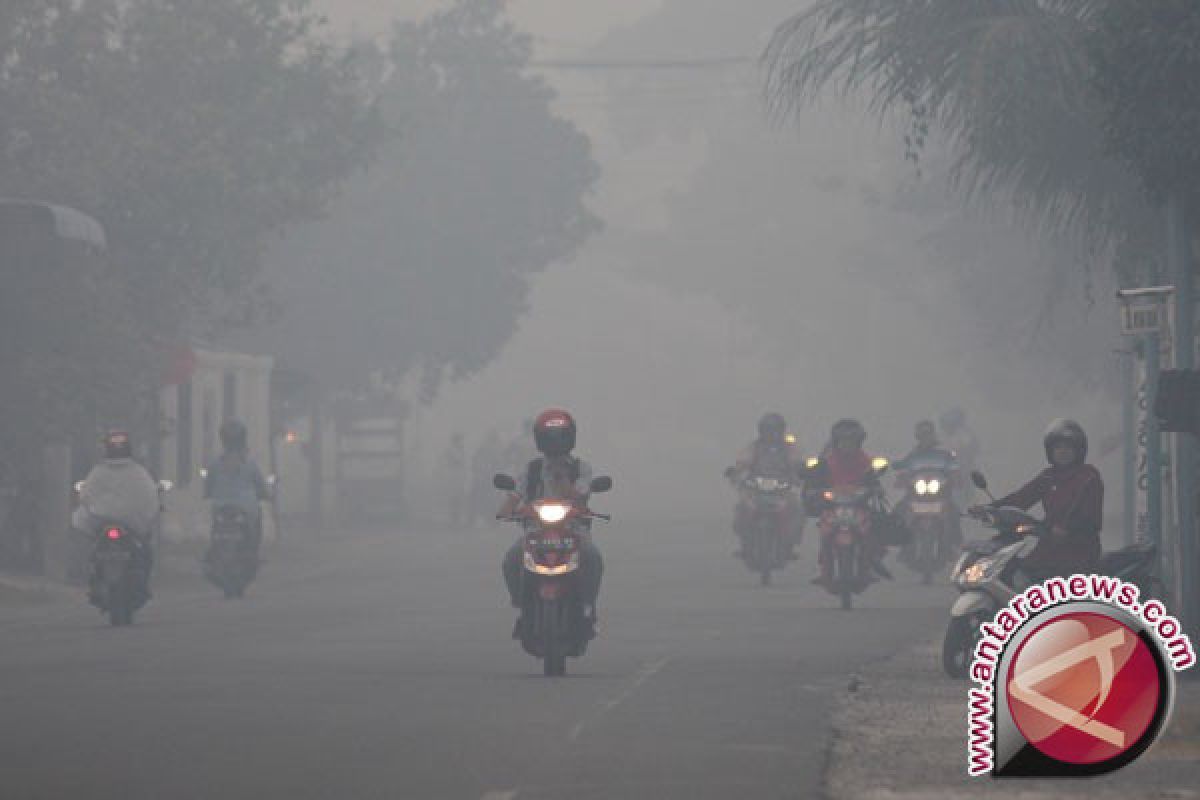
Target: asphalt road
380	666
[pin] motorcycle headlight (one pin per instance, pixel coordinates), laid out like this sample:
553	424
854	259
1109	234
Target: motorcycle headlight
980	571
551	513
934	486
921	487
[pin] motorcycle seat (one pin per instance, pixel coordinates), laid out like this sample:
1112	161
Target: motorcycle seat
1118	560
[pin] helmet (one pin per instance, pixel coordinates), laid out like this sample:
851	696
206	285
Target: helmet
554	432
117	444
772	427
848	429
1065	431
924	430
233	435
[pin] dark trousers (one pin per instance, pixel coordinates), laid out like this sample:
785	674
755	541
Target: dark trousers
591	571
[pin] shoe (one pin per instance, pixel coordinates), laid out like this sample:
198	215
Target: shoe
588	622
820	580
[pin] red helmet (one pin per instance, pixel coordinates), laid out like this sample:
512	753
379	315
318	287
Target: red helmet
554	432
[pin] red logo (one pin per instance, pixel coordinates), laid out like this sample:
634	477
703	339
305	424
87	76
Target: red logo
1084	689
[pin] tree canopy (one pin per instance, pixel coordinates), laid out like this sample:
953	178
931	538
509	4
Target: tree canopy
1063	107
192	131
425	262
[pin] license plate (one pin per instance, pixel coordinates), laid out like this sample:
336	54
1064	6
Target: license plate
926	508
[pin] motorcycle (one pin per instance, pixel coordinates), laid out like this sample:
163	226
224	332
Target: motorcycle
768	543
930	515
989	574
232	560
552	624
119	568
845	520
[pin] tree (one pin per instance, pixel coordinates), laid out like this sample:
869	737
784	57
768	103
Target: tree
1007	82
426	261
192	131
1146	60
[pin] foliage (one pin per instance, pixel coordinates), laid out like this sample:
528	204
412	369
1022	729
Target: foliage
1007	80
192	131
425	262
1147	72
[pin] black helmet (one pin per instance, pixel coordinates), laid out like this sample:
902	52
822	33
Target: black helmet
925	430
772	427
554	432
117	444
233	435
848	429
1065	431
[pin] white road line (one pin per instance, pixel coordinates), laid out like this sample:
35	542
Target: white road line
499	795
644	674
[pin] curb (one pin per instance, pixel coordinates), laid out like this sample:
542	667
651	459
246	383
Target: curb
900	734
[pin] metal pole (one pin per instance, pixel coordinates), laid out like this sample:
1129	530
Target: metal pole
1128	445
1153	448
1179	259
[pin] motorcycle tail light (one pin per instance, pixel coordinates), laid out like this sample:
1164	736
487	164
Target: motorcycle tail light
113	533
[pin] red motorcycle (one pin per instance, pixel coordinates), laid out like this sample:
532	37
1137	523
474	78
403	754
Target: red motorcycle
552	624
846	518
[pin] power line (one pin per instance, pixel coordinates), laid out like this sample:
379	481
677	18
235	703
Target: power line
637	64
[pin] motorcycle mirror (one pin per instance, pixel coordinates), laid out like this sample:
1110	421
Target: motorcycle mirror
504	483
979	481
601	484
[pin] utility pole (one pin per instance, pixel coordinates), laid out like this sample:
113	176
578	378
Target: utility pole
1179	261
1143	311
1128	444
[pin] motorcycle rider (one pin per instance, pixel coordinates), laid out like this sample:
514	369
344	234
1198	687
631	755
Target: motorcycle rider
962	441
929	451
233	479
120	491
1071	492
775	454
557	473
844	463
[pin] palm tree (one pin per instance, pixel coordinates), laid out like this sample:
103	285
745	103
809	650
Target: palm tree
1007	81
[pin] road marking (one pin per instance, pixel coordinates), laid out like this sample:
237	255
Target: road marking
497	794
644	674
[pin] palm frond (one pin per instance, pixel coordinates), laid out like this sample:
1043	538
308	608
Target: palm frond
1006	80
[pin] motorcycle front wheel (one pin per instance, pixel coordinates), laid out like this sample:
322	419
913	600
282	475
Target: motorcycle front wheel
958	647
845	559
554	653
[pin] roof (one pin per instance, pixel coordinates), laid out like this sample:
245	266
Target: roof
60	221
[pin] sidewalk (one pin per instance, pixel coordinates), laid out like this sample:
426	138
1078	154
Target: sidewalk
902	723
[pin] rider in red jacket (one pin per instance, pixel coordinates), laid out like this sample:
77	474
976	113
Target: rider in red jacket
845	463
1071	492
